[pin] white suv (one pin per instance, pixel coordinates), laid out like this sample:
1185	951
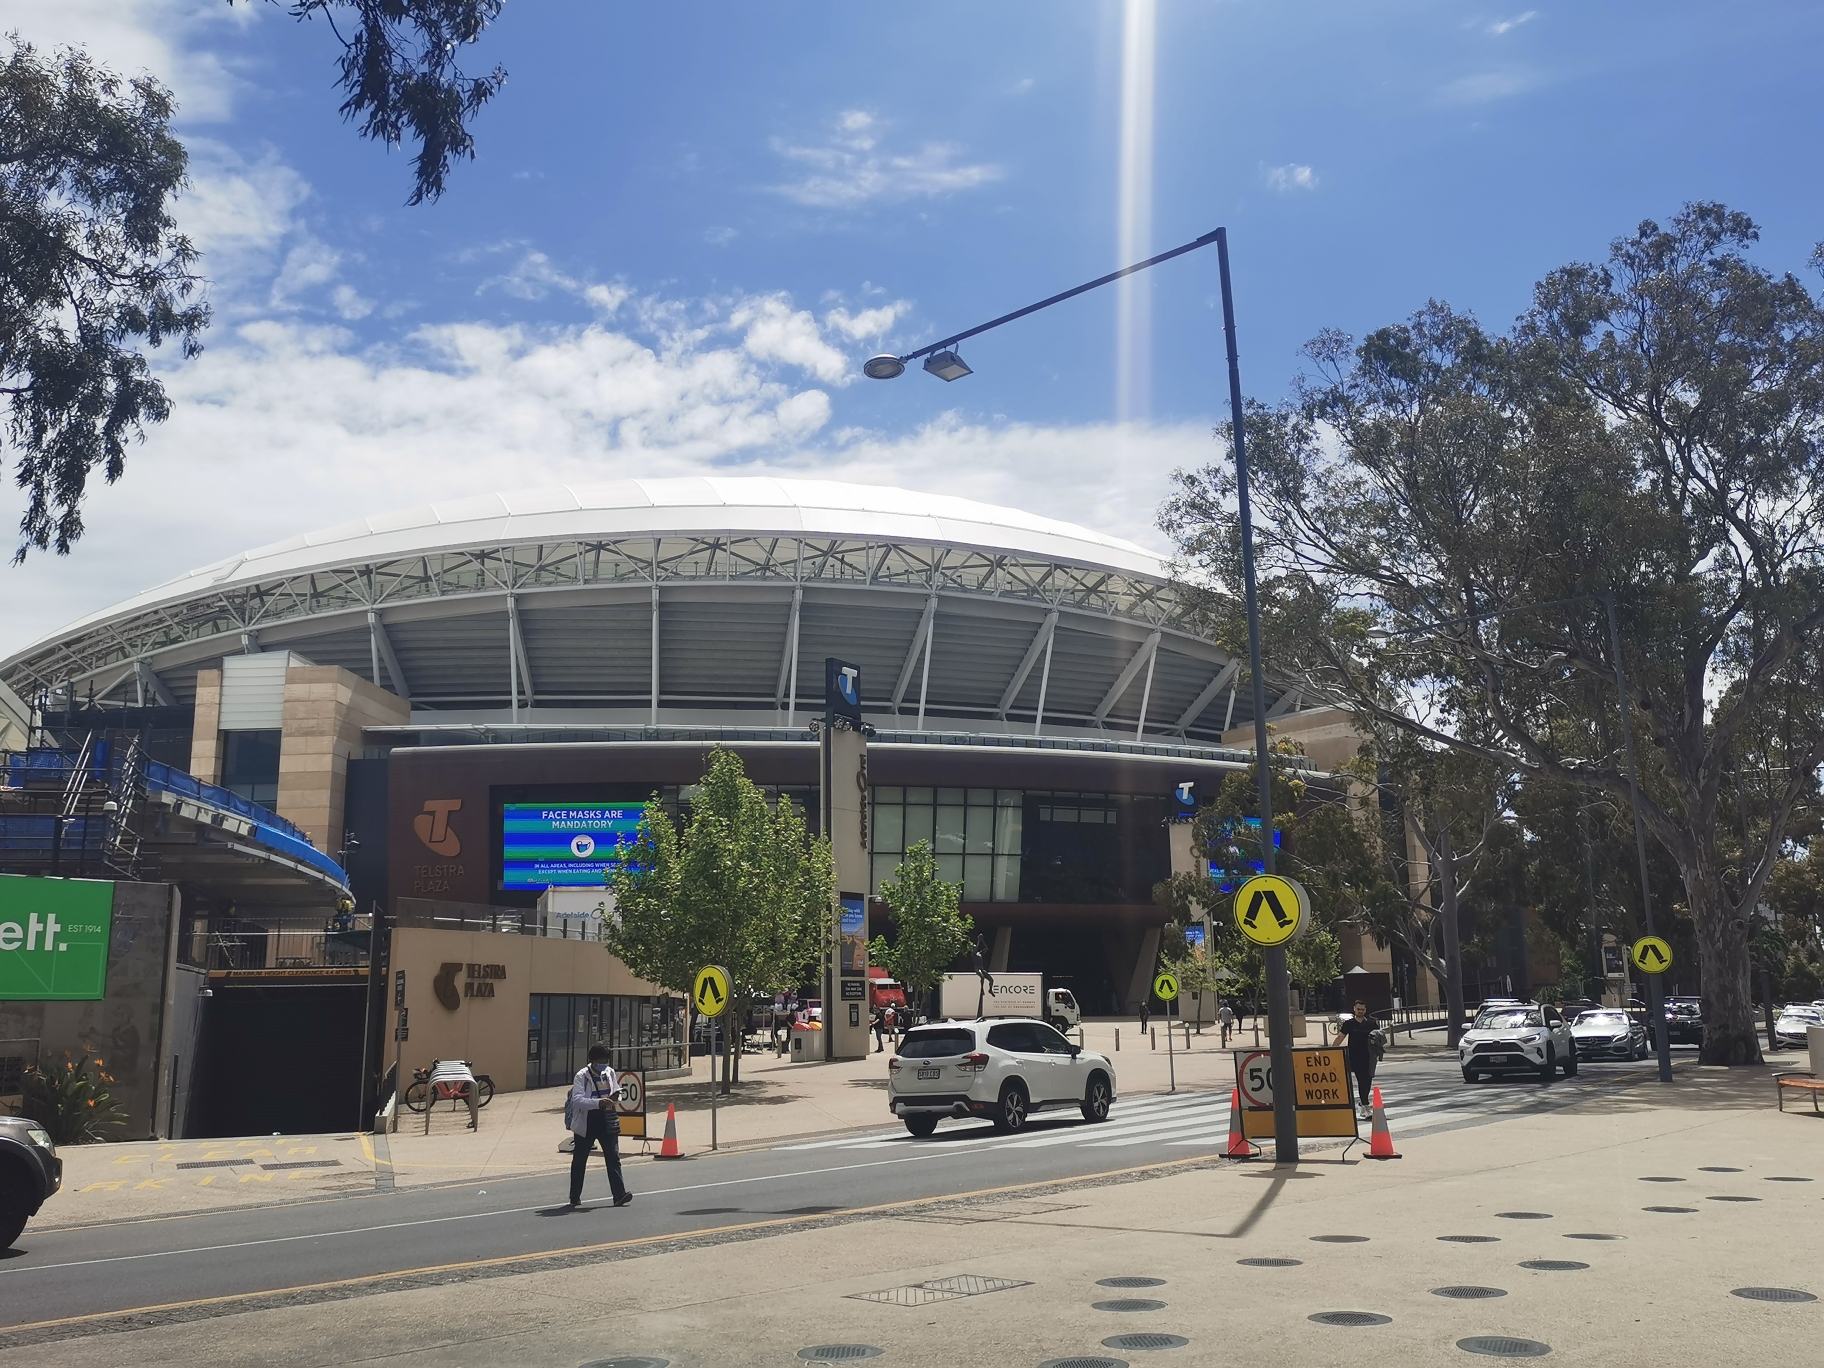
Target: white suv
1521	1037
1001	1070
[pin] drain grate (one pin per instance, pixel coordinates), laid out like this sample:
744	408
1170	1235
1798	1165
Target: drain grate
211	1163
1731	1197
709	1211
1129	1304
635	1362
839	1353
1470	1239
304	1163
1673	1211
1662	1179
1717	1168
1130	1282
1591	1235
1777	1178
1524	1215
1000	1211
1350	1318
1468	1292
1340	1239
1270	1263
1090	1361
938	1290
1553	1265
1773	1294
1145	1342
1503	1346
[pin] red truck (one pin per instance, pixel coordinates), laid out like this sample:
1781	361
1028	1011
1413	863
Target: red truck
885	991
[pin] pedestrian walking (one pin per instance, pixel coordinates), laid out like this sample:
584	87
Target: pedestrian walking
878	1020
593	1121
1146	1013
1225	1016
890	1019
1358	1033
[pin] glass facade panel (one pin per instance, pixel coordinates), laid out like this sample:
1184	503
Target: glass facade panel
884	865
978	878
918	823
950	830
980	837
920	795
889	827
885	794
640	1032
1007	826
952	795
1006	878
982	796
950	868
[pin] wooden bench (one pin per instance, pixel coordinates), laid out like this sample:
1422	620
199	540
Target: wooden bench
1799	1082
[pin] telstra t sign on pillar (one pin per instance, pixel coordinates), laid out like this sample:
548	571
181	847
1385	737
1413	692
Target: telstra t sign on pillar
845	818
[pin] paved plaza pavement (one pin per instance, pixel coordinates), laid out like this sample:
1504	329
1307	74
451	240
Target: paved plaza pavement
1698	1191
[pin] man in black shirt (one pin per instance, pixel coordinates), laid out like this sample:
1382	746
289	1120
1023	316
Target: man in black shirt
1358	1033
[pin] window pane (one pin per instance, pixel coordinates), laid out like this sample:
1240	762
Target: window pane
884	865
950	830
981	831
1006	878
983	796
1008	797
1007	825
918	825
951	795
883	794
889	827
950	868
918	795
978	876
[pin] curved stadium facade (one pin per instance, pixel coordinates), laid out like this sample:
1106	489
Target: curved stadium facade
1041	705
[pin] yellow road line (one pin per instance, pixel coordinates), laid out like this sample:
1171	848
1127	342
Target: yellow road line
509	1259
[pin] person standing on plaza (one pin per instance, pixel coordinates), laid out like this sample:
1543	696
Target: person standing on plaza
1225	1016
1146	1013
592	1121
1358	1034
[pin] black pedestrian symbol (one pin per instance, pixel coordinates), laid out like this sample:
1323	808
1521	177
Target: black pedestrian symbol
1271	899
709	993
1650	951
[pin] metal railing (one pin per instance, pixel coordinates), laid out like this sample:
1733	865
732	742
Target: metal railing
343	943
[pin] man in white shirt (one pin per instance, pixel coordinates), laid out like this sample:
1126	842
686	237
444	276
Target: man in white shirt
592	1119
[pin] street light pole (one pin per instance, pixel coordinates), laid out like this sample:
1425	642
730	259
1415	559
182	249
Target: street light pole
1279	979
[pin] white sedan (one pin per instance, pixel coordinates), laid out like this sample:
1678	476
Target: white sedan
1789	1030
1002	1071
1523	1038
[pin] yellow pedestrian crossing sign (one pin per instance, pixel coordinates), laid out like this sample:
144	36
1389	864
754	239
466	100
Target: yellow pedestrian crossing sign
1652	955
710	993
1270	910
1165	987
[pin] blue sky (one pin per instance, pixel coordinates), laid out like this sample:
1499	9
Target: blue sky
688	224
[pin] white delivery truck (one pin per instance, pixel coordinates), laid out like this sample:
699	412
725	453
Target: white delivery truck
964	997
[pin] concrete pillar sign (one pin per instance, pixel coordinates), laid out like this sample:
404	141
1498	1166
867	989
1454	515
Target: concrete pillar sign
846	818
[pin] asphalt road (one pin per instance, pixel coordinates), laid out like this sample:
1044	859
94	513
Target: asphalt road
163	1262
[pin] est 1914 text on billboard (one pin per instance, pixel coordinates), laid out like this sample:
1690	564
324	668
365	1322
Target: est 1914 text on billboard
54	939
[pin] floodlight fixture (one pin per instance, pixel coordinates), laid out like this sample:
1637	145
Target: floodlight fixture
947	365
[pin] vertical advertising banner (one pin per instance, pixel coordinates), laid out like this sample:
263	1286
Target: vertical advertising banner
842	689
854	936
54	939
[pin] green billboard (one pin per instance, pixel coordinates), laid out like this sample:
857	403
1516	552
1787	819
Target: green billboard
54	938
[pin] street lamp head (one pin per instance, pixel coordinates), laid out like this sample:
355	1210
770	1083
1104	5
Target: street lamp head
1379	634
887	367
947	365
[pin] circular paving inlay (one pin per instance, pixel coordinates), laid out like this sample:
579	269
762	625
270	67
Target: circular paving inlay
1468	1292
1591	1235
1524	1215
1717	1168
1129	1304
839	1353
1503	1346
1553	1265
1470	1239
1773	1294
1731	1197
1130	1282
1340	1239
1662	1179
1270	1263
1145	1341
1084	1361
1350	1318
1675	1211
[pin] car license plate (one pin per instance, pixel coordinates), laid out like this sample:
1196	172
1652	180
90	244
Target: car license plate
1504	1059
930	1073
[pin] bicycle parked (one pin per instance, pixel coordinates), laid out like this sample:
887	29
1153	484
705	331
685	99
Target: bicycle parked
418	1094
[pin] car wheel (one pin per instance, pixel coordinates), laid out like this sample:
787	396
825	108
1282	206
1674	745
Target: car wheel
1010	1112
1549	1069
1470	1076
921	1126
1096	1099
15	1209
1570	1065
1058	1024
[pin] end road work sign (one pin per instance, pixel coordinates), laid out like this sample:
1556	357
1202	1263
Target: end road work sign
54	939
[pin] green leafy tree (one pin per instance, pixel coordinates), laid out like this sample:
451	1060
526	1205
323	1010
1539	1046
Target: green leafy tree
401	79
738	882
1649	429
929	932
92	270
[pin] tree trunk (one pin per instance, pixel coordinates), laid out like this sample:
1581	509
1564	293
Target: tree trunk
1722	953
1453	952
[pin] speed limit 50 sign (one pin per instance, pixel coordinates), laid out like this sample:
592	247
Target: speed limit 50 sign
1254	1075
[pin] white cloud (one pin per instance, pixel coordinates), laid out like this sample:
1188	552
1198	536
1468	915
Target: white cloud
1502	26
350	303
719	237
852	168
1485	87
1291	177
307	266
774	331
868	323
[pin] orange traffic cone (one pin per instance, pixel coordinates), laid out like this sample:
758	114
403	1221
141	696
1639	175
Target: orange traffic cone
1380	1140
1239	1148
669	1148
